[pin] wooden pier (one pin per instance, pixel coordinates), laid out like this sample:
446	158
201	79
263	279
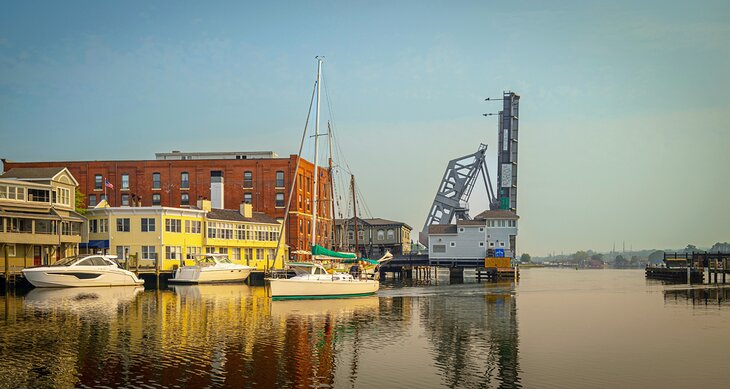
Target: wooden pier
691	268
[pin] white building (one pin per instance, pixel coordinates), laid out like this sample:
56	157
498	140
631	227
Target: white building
468	242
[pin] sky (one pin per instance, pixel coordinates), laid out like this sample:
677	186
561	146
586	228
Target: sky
624	110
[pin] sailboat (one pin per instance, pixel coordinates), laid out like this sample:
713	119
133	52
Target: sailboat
312	280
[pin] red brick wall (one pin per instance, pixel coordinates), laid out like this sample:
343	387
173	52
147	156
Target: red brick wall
263	191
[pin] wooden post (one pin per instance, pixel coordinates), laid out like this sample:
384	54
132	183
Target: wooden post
724	269
7	266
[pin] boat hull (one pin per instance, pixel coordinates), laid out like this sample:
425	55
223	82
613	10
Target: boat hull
305	289
195	275
79	277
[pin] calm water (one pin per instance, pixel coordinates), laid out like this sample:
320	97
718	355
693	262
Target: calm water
554	329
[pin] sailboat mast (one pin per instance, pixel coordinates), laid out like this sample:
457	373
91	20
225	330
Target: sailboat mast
332	187
316	153
354	207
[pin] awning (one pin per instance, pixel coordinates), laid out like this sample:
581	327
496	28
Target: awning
95	244
319	250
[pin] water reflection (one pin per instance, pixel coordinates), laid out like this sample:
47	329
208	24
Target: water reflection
234	336
699	297
475	341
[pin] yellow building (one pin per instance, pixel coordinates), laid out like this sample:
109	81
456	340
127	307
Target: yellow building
38	224
170	237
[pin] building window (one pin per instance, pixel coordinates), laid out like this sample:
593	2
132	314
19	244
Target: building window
156	181
123	225
247	198
173	252
481	244
491	244
11	249
481	229
236	254
309	184
148	225
391	233
381	235
125	181
280	200
300	201
461	229
148	252
248	179
184	199
223	250
192	226
279	179
501	244
125	200
97	182
452	244
193	252
92	200
123	252
156	199
173	225
259	254
184	180
350	235
248	254
210	250
439	248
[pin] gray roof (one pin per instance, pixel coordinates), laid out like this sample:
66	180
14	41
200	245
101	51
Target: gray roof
376	221
37	173
235	215
442	229
497	214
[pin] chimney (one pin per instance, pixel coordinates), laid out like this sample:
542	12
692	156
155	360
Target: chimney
204	204
246	210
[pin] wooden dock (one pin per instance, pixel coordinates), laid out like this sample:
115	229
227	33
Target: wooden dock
691	267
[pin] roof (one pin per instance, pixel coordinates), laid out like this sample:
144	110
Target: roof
497	214
235	215
442	229
41	173
475	222
376	221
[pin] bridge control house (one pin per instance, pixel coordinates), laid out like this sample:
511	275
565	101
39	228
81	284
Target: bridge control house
492	233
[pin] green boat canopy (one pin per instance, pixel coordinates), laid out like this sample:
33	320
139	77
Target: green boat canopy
319	250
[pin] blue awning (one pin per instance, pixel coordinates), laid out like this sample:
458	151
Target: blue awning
95	244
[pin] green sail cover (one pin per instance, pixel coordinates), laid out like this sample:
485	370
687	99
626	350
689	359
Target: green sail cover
319	250
370	261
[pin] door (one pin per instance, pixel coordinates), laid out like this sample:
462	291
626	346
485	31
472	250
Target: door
36	255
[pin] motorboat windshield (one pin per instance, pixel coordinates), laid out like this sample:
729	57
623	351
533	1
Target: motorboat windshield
213	259
68	261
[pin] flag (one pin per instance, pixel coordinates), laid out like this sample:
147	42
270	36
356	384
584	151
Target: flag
108	184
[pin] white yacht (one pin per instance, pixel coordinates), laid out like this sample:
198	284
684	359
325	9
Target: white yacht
212	268
81	270
313	281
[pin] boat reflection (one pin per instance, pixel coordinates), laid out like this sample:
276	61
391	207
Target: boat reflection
337	307
83	301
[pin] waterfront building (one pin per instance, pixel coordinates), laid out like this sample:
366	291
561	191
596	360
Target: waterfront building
178	179
375	236
166	237
491	232
38	224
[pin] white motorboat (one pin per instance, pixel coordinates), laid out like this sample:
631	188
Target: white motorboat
82	270
313	281
212	268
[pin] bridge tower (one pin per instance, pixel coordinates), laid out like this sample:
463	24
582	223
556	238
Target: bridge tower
507	153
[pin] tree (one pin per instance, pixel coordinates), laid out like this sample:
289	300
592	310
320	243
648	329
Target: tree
690	248
80	202
597	257
634	260
525	258
656	257
579	257
620	261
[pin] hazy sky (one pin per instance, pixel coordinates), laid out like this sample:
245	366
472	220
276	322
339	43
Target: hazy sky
625	111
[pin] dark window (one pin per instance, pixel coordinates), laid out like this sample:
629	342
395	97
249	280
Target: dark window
123	225
156	181
92	200
279	199
247	198
148	225
247	179
184	180
184	199
125	181
97	182
125	200
156	199
279	179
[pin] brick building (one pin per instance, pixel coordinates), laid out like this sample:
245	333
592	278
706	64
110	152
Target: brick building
227	179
